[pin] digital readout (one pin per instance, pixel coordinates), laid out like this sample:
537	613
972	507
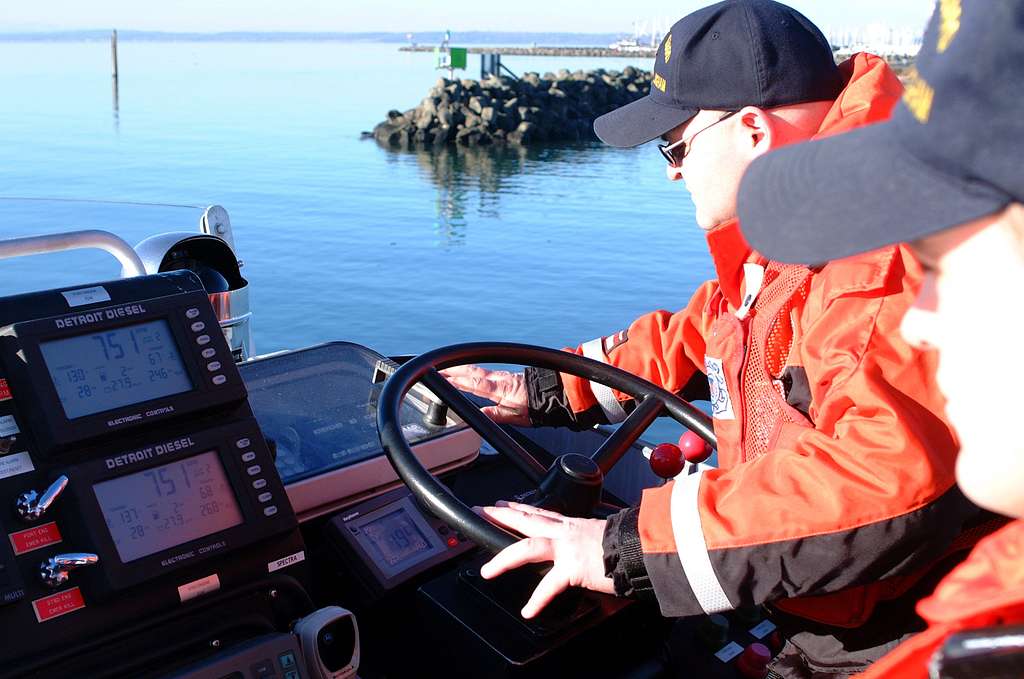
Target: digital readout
395	537
167	506
105	370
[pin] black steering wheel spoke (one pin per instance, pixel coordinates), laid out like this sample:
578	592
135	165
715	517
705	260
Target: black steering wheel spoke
483	425
620	441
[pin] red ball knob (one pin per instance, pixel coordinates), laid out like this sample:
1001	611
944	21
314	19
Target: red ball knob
667	460
695	449
753	663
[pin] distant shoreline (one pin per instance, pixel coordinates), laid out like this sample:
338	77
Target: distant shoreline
423	38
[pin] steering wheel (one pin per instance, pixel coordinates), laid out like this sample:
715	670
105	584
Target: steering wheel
651	401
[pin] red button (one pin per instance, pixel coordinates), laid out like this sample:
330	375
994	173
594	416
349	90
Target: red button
453	541
694	448
753	664
667	460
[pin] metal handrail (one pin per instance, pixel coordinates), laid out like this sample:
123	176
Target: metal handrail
131	265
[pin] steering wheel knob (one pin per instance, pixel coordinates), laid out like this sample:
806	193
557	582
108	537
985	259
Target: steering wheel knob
572	486
580	467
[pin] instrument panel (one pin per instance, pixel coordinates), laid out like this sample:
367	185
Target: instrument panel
134	477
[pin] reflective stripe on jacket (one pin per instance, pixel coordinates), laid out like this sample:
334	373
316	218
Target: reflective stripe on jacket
986	590
836	467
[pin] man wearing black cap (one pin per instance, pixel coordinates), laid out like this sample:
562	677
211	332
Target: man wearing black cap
834	498
945	175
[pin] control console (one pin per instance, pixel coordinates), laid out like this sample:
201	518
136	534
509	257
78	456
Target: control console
133	476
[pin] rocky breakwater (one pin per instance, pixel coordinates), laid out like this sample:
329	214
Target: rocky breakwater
549	108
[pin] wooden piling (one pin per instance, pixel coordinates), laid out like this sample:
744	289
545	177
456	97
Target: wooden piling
113	56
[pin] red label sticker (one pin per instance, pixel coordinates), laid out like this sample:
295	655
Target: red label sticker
34	538
5	391
56	605
191	590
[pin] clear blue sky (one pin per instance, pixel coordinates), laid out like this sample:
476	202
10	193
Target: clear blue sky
577	16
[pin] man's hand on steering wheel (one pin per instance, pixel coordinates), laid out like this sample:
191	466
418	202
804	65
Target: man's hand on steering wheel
507	390
574	545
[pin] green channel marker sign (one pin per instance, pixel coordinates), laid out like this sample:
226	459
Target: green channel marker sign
458	57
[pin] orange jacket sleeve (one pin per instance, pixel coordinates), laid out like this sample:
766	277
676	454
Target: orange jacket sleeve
662	347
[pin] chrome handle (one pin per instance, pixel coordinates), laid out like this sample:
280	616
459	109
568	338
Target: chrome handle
54	572
31	506
131	265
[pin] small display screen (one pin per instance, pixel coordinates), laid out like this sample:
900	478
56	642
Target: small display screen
115	368
395	537
167	506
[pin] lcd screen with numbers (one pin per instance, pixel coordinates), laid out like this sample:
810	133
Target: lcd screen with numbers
166	506
101	371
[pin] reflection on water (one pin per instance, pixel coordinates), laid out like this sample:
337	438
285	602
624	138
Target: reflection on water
450	225
472	181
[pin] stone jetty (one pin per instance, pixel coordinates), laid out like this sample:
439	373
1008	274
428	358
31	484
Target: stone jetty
554	107
541	51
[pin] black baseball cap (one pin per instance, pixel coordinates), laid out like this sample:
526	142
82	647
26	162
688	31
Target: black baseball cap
952	152
723	57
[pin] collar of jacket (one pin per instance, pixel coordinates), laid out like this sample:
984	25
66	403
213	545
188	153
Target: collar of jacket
730	252
871	92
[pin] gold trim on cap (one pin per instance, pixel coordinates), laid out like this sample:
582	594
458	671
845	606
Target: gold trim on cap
918	96
949	23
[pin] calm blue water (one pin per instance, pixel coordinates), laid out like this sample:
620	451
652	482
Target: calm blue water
341	239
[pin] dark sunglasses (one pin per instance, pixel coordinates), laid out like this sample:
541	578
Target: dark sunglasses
676	151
